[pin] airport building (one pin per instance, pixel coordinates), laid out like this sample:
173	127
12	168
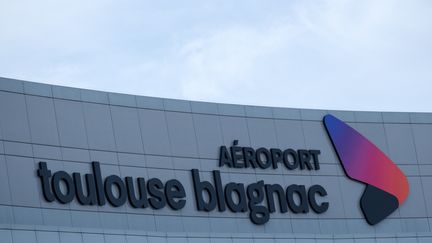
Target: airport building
85	166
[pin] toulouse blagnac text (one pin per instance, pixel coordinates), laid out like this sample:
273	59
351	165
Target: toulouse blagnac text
259	199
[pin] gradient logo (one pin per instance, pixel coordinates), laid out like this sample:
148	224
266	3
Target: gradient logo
386	185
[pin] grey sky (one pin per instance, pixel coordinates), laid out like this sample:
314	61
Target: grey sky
356	55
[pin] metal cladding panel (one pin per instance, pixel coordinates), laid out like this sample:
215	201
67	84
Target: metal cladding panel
135	136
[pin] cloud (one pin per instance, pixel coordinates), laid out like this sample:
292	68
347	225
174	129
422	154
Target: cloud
225	61
362	55
328	54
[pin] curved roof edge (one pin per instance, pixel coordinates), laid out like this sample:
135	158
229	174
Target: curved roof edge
145	102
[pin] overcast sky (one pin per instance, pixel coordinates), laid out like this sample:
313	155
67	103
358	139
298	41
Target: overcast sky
355	55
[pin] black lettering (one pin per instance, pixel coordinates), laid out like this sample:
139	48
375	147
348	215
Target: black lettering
141	200
258	214
263	158
313	191
199	188
155	189
300	191
292	163
91	198
69	195
224	157
249	157
116	181
99	183
174	190
45	175
219	190
304	158
280	192
276	155
315	154
239	189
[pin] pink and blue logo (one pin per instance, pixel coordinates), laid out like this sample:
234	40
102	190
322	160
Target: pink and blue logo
386	185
